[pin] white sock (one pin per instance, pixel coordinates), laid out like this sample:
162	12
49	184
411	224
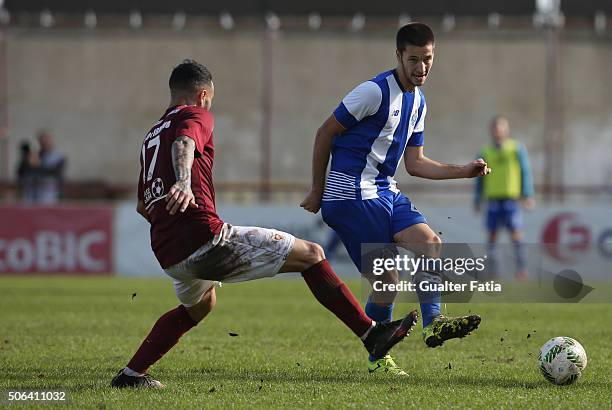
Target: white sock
129	372
363	336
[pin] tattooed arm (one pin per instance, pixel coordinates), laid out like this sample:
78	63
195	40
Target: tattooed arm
180	196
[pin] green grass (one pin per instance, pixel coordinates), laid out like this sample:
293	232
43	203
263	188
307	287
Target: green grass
74	334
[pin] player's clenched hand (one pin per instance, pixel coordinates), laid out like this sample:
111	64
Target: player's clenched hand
312	202
477	168
180	197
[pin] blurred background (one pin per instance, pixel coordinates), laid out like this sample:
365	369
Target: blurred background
82	81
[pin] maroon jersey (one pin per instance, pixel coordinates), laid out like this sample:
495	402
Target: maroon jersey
175	237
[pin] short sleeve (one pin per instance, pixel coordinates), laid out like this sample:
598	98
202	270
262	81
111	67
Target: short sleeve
197	125
417	139
363	101
420	125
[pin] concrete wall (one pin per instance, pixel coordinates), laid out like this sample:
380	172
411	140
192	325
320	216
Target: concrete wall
100	92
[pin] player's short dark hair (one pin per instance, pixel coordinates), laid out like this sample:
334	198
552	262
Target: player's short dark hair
189	77
416	34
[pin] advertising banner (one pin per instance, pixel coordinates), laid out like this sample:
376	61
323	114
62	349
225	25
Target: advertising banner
115	239
56	240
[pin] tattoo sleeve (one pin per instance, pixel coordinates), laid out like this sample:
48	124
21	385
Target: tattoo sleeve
183	150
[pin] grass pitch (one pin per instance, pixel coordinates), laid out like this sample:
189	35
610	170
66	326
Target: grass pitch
73	334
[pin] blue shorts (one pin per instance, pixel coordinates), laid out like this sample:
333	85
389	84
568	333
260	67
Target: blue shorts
370	221
504	213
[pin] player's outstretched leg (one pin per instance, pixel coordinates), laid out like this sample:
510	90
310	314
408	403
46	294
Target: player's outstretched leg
165	334
436	327
331	292
421	240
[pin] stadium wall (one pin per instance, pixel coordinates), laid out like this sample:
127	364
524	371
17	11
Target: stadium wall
100	91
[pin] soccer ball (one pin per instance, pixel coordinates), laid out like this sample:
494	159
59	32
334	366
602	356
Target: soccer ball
562	360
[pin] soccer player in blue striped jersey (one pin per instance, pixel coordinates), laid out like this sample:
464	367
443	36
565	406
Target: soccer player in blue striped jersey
377	124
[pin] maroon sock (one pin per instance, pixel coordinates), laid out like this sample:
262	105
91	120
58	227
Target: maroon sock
165	333
332	293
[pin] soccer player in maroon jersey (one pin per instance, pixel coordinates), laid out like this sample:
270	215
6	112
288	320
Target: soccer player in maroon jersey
198	250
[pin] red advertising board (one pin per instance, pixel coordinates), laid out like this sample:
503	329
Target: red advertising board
62	239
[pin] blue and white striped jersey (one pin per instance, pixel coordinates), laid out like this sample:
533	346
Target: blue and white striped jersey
380	118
